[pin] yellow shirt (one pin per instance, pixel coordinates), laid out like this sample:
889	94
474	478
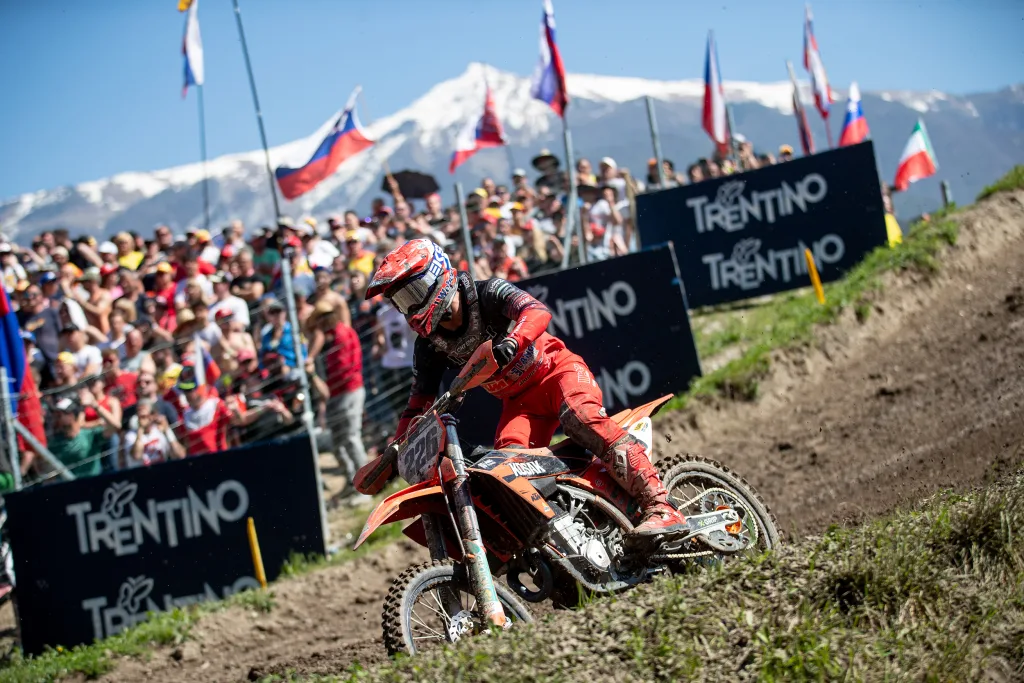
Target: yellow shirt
131	260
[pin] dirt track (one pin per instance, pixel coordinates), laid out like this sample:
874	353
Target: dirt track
928	393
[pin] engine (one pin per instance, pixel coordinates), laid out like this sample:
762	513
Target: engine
581	546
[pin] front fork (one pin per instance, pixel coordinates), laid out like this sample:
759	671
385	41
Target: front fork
474	554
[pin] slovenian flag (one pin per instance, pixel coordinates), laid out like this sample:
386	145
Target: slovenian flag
714	119
549	78
192	49
812	62
855	126
345	139
486	132
918	159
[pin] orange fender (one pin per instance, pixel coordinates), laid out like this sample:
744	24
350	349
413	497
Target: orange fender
631	415
418	499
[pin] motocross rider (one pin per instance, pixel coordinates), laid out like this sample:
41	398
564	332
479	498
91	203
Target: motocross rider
540	382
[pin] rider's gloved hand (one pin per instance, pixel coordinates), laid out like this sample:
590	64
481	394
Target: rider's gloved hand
374	475
504	351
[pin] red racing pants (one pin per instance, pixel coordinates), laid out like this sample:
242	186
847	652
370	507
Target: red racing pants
568	395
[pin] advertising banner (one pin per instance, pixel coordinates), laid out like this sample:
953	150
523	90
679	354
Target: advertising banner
744	235
93	556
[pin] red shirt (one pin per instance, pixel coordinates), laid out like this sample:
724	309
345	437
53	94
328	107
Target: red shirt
206	427
123	386
344	361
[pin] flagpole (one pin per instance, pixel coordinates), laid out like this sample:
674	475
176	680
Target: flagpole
202	152
572	217
256	105
828	132
652	121
467	239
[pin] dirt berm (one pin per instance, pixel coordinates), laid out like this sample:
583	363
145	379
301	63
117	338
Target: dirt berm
928	392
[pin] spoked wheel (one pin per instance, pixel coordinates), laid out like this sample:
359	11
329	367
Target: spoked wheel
431	604
699	485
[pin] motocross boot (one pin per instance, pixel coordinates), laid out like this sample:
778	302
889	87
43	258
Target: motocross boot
632	468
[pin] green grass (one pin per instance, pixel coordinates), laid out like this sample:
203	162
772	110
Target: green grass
1014	180
930	593
296	564
789	320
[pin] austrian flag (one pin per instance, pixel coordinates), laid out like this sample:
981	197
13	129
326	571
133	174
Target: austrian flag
477	135
918	159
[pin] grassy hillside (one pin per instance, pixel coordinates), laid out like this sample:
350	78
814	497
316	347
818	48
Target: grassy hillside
933	593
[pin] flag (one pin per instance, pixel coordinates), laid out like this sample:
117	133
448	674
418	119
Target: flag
484	133
22	386
918	159
803	128
855	126
345	139
812	62
183	5
715	121
192	49
549	77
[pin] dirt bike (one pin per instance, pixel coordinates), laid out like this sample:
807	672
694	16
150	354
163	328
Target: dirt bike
550	520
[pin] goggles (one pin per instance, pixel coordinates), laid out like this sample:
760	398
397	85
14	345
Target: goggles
413	295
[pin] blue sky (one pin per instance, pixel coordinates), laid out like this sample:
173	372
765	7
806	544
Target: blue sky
92	88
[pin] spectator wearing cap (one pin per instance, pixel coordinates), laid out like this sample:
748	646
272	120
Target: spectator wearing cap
343	365
106	252
277	334
150	439
128	256
356	256
608	214
49	285
319	252
77	447
610	175
224	300
785	153
206	418
88	360
161	283
520	180
43	321
208	252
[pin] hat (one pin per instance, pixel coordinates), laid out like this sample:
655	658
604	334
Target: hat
107	248
90	274
652	162
286	222
545	161
739	137
185	316
28	336
223	314
61	251
335	218
294	241
245	355
274	305
5	248
352	236
202	236
519	173
216	278
516	206
164	267
481	192
47	277
108	268
123	237
310	221
609	162
68	405
785	149
187	380
490	215
191	230
66	357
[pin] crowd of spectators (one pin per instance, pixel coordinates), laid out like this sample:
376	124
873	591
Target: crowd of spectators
151	347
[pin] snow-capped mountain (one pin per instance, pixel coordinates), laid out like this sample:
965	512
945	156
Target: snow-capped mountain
976	138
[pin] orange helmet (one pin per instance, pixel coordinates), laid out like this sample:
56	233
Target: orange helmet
419	280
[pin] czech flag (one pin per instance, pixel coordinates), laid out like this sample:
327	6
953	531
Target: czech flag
812	62
855	127
486	132
549	78
22	386
192	48
806	139
918	159
345	139
714	120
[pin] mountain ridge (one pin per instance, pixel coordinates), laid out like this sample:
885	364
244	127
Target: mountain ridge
607	118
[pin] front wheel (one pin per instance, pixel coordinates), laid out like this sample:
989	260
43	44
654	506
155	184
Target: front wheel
431	604
698	485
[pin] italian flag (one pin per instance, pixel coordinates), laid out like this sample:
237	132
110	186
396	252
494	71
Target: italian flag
918	159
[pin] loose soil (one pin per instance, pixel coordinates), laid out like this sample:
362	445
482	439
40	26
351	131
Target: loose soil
928	393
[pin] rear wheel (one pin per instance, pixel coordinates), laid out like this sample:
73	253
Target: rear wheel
431	604
698	485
